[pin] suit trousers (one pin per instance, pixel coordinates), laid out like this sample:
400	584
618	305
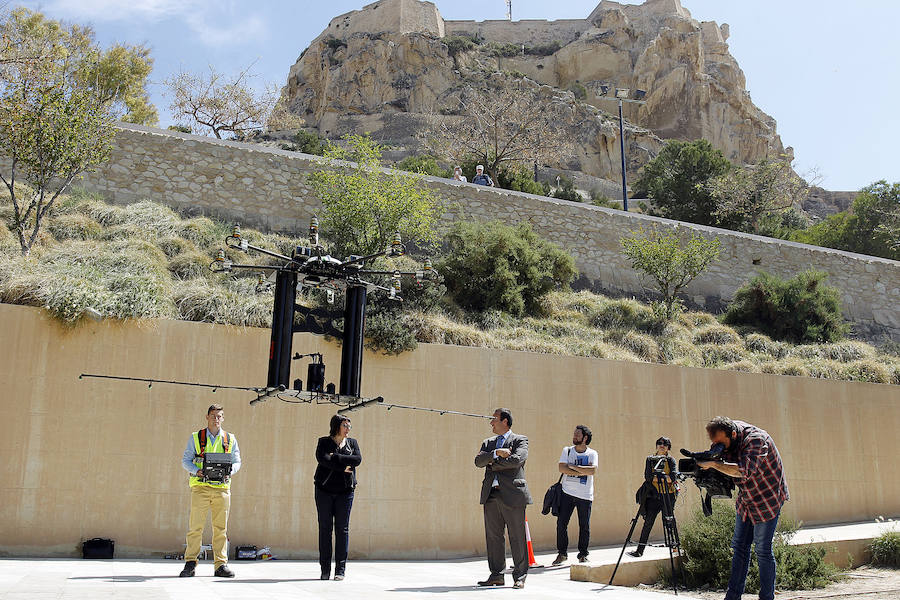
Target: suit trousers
499	516
206	499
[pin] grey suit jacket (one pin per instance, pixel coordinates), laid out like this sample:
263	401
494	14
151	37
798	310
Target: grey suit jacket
510	472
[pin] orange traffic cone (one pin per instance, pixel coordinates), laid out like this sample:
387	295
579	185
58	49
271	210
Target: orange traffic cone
532	563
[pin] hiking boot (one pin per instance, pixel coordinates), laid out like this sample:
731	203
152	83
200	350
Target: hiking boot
188	570
224	571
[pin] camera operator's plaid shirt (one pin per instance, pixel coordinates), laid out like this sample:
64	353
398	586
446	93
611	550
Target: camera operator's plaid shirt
762	490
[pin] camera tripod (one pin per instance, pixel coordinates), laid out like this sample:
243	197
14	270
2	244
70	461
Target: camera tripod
671	539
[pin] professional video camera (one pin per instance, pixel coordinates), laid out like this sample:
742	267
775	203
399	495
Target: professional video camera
716	484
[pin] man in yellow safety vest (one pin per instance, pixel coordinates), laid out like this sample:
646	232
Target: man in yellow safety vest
209	496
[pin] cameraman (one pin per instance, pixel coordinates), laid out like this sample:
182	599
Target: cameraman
658	493
751	457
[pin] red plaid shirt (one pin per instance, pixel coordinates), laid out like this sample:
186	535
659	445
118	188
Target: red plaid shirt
762	489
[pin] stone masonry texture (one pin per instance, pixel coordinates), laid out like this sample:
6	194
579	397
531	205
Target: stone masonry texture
267	188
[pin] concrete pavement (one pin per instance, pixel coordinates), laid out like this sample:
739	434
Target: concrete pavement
76	579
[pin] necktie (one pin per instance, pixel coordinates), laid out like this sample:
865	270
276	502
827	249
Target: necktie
500	440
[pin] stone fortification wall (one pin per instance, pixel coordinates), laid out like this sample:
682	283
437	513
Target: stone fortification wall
530	31
395	16
268	188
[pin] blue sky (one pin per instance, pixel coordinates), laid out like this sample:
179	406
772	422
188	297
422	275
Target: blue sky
827	71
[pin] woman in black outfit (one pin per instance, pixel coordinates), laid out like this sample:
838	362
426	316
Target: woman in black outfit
653	504
335	479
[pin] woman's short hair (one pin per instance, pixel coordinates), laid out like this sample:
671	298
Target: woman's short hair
336	421
664	441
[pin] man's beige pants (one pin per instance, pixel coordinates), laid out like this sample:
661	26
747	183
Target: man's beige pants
206	499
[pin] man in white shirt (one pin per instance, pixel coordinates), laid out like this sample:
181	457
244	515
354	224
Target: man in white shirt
577	463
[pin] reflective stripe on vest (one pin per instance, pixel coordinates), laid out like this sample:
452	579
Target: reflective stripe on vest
222	444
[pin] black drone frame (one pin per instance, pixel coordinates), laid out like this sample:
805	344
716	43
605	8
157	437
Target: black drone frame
310	267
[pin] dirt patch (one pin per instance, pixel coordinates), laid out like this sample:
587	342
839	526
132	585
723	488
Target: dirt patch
864	583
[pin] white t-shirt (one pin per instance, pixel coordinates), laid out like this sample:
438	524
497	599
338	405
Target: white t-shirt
579	486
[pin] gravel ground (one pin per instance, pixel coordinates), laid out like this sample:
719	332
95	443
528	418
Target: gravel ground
864	583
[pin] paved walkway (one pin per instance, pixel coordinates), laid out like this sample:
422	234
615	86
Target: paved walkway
74	579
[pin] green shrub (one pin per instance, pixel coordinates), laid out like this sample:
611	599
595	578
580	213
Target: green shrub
801	309
885	549
716	354
567	191
579	90
627	313
716	334
706	542
867	370
74	227
426	165
496	266
335	44
456	44
543	49
181	128
507	50
309	143
757	342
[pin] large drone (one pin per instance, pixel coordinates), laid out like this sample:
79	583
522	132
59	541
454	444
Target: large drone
311	268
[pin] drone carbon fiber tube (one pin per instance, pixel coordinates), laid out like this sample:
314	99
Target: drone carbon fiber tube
352	345
282	330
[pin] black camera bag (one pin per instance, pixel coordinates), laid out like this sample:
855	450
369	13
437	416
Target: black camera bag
98	548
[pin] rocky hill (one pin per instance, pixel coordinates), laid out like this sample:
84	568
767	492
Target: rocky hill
384	68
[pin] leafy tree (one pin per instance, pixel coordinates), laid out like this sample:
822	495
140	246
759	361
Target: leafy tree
363	206
677	179
504	123
219	104
55	123
801	309
117	75
496	266
745	196
871	226
669	262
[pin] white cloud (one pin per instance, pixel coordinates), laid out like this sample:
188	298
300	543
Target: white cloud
215	23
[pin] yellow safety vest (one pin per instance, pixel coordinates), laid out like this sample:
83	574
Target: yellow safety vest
224	443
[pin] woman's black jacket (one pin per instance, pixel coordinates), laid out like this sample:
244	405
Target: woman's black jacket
330	473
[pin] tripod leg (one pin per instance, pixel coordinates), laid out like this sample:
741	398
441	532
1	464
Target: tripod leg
625	545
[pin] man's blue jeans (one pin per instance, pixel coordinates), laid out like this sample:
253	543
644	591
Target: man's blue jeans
760	535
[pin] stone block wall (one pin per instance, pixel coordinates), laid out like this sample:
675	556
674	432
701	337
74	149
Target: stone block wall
529	31
267	188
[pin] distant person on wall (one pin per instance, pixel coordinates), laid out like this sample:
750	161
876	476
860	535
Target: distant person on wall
658	493
337	455
577	463
504	495
752	458
458	174
209	496
482	178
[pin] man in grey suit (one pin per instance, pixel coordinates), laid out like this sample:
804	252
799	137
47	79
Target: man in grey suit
504	494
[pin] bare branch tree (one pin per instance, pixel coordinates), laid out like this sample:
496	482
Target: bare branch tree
217	103
505	122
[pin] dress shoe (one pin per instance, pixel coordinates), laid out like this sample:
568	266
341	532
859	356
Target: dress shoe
224	571
636	553
499	581
188	570
560	559
519	585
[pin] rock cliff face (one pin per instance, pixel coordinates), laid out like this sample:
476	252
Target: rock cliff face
385	67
